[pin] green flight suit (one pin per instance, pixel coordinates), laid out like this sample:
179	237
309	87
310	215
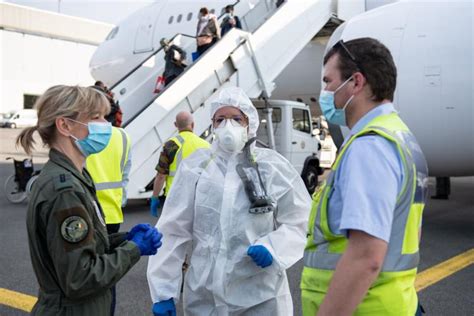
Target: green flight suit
75	261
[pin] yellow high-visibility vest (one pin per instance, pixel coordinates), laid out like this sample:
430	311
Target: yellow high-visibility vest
106	169
187	143
393	292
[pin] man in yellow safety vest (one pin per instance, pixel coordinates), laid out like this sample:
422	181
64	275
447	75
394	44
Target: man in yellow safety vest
109	170
362	253
174	151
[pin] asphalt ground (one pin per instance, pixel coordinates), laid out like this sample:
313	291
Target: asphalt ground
448	230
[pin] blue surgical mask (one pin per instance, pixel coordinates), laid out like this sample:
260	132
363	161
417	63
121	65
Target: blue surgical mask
332	114
97	140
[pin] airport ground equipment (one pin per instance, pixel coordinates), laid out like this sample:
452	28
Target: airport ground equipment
288	125
251	58
18	186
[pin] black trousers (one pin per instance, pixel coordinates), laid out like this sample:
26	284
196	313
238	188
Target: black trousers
201	49
169	79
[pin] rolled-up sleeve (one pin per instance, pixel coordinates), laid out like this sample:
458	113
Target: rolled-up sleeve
166	157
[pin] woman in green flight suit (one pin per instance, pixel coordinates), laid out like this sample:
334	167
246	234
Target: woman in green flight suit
75	261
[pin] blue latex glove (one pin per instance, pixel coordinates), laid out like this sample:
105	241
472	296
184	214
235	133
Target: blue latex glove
164	308
147	241
137	228
156	239
154	205
260	255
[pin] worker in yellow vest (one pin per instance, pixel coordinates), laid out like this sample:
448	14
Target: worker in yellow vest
109	170
362	253
174	151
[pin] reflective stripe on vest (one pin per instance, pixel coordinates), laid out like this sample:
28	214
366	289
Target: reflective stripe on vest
393	292
106	169
395	260
187	143
116	184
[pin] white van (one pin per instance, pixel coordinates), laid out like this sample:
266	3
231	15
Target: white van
22	118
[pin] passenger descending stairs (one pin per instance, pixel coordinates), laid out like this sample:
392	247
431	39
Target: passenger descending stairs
251	58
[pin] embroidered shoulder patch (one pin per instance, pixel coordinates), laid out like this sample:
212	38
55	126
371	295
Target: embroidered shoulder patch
74	229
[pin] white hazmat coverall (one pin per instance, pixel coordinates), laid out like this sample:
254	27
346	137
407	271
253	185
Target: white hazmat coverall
206	215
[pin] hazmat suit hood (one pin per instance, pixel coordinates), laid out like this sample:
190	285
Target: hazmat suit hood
236	97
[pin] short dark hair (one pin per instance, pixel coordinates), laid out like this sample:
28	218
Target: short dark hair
204	11
99	83
98	87
229	8
372	59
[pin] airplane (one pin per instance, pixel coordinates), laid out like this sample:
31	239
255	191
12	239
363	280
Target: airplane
431	43
134	38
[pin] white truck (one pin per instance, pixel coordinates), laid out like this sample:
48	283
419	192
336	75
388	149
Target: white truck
291	134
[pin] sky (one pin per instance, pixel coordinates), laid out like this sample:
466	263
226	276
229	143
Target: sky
109	11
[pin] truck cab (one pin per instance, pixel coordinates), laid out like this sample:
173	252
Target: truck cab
291	135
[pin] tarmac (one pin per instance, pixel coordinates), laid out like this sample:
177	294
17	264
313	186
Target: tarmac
446	270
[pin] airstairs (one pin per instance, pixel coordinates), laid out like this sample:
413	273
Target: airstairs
251	58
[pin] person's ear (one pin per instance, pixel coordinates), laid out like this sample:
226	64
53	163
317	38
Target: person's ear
63	127
359	82
175	125
192	126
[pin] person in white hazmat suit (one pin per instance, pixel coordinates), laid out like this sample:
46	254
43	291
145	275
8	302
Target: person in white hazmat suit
239	246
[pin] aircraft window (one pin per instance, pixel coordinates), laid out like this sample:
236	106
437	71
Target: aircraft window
180	17
112	33
301	121
170	20
190	16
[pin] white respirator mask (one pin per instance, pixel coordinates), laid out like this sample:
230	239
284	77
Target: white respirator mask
231	137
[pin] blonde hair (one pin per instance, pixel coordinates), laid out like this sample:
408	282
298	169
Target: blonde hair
62	101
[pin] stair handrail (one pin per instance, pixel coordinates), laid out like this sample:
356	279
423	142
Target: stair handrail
143	62
156	52
187	68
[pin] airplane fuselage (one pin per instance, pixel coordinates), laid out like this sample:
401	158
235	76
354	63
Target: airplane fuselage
434	93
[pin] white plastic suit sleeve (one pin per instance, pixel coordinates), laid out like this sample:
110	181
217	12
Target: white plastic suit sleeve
286	243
